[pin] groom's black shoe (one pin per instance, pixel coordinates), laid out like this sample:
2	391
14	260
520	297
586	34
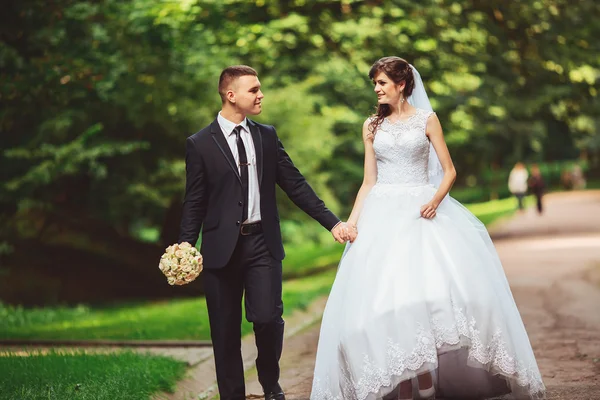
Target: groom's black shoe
274	393
274	396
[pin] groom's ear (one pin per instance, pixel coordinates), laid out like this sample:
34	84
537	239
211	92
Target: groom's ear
230	96
232	89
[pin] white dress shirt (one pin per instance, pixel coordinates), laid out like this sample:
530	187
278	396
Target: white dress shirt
517	181
253	190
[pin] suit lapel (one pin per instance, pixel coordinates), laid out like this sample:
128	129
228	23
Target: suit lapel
258	148
221	142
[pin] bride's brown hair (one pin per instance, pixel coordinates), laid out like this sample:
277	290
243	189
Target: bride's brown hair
398	70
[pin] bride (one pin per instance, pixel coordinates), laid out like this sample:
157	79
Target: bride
420	305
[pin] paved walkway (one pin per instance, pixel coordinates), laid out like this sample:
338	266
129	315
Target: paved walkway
200	379
553	264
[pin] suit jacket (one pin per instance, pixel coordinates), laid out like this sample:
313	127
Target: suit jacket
213	192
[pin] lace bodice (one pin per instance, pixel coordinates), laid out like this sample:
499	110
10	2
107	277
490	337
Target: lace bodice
402	150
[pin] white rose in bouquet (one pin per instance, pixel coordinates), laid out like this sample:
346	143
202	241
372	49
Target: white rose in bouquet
181	263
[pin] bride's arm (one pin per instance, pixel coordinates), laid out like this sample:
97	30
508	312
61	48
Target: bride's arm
436	136
370	174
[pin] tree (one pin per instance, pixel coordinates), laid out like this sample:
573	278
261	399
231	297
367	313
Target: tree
98	96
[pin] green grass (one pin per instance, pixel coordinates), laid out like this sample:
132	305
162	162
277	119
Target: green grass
80	376
493	210
593	184
299	293
306	259
174	319
188	318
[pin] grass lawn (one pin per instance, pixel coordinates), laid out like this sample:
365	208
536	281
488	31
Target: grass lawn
173	319
490	211
188	318
307	259
82	376
304	260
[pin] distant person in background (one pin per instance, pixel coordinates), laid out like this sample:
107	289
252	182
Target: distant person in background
577	178
517	182
537	186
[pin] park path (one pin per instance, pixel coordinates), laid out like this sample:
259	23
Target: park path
553	265
552	262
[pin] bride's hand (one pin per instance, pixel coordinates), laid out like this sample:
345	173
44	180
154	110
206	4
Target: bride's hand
428	210
352	232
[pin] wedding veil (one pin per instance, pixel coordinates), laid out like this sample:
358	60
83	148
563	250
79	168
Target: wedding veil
419	99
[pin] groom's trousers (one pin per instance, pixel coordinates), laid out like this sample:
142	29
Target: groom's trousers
253	271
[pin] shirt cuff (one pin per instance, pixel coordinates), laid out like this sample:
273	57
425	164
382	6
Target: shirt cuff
335	226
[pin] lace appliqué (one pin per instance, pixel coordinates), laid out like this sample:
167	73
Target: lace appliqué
402	150
493	355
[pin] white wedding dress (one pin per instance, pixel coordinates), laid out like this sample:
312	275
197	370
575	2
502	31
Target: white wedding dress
414	295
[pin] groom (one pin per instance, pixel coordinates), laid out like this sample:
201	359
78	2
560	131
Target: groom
232	167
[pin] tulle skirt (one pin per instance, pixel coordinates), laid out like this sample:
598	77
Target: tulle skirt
413	296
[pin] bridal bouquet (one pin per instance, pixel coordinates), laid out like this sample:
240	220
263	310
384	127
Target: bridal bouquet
181	263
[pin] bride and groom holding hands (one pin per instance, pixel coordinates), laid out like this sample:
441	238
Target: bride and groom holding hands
420	305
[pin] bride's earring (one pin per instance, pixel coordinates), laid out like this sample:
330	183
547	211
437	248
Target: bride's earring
401	99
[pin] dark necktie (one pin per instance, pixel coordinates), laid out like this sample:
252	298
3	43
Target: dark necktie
243	169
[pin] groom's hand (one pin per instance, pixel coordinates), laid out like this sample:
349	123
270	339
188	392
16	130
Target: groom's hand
340	232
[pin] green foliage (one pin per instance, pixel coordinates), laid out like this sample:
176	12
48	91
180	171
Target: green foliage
174	319
50	163
492	184
308	141
97	97
491	211
308	257
308	270
84	376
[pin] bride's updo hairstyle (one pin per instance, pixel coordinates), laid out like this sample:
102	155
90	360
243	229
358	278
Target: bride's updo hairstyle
398	70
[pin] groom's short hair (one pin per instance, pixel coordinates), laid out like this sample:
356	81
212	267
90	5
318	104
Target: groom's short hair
230	74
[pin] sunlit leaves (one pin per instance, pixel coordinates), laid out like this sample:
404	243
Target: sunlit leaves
585	73
499	74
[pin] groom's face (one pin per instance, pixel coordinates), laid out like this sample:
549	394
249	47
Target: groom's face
247	95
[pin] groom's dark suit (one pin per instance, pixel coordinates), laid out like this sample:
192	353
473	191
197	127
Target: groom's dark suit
234	262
